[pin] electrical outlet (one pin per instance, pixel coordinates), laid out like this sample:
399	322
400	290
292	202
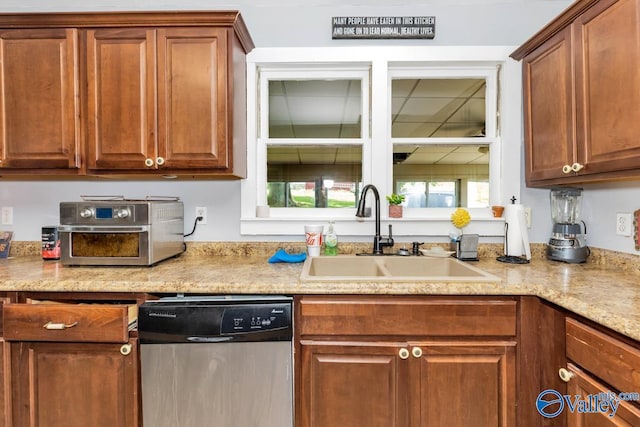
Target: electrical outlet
7	215
202	212
624	224
527	216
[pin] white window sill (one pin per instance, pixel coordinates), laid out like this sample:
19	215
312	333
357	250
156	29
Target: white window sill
442	227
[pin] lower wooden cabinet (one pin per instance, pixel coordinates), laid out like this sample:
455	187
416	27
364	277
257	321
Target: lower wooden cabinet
353	384
363	367
463	383
74	384
601	366
582	385
5	390
70	365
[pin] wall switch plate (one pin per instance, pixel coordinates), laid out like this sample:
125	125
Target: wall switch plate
201	211
624	224
7	215
527	216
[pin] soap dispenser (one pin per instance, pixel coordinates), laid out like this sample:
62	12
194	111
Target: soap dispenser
331	241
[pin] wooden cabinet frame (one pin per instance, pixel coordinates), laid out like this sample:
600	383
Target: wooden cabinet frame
139	94
582	95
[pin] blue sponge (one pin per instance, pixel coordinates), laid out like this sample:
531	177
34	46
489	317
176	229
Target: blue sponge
282	256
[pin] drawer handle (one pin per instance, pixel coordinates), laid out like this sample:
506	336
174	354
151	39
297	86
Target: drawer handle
58	326
403	353
565	375
125	349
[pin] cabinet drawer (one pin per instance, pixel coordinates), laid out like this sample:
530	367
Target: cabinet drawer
66	323
407	316
609	359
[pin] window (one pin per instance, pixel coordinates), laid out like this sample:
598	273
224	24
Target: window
443	125
418	121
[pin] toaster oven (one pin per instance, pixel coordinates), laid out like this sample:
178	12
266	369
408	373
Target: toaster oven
114	231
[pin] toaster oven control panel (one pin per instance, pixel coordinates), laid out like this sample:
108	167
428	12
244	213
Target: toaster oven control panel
120	213
105	213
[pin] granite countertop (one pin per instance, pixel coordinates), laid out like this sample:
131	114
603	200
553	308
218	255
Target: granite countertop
605	290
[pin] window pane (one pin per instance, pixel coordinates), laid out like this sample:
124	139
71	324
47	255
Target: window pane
442	176
437	108
314	177
315	108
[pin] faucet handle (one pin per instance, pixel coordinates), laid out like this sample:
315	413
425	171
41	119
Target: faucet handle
415	248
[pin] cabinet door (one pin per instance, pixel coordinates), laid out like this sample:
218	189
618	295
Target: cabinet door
5	385
351	385
548	109
121	99
582	385
607	46
193	98
463	384
39	100
74	384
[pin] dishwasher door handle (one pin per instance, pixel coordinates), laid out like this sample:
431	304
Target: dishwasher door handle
209	339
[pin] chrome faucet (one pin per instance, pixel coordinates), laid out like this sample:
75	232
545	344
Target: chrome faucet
379	242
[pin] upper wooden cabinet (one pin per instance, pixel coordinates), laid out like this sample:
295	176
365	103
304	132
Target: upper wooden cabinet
158	93
582	95
39	104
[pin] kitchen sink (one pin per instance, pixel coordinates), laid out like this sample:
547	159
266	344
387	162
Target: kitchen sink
391	268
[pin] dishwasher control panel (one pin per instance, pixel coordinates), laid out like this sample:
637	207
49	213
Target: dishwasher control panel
241	319
207	319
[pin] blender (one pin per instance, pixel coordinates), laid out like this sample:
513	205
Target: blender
568	241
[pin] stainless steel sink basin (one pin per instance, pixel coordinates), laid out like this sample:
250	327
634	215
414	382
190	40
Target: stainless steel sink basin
391	268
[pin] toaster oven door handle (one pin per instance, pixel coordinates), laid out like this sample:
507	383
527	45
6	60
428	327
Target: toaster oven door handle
102	229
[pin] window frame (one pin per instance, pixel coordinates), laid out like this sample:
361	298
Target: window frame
263	141
377	147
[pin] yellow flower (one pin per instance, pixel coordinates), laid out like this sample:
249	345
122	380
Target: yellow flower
460	218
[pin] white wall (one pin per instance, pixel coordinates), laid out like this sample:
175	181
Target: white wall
289	23
600	203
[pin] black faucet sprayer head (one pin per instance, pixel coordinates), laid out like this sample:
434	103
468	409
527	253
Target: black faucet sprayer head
361	203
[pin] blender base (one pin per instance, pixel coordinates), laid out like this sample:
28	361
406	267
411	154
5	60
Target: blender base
572	255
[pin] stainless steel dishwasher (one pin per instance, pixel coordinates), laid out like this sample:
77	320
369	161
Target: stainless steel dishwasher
216	361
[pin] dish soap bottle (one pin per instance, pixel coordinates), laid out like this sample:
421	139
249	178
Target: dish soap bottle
331	241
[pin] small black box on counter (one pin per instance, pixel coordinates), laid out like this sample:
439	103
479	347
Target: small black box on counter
50	243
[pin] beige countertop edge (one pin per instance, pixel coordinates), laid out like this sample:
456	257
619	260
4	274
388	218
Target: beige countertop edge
604	295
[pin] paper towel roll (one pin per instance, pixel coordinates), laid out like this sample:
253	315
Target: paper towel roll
516	241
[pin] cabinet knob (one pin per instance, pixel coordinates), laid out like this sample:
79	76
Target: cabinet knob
403	353
125	349
566	169
159	161
417	352
576	167
565	374
148	163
